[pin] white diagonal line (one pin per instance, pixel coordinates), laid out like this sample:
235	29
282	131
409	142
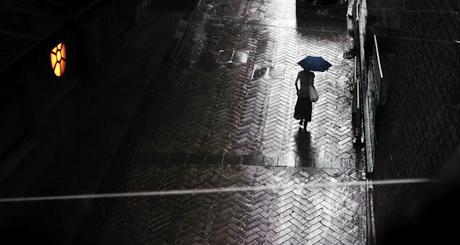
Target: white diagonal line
215	190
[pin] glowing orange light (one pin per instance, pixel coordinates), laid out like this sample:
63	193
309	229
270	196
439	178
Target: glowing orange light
58	59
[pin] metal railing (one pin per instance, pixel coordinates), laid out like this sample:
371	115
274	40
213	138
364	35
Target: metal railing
364	99
374	98
377	72
357	104
375	95
359	77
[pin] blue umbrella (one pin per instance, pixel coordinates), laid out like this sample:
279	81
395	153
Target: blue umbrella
313	63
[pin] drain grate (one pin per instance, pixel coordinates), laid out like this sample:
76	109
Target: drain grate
236	57
260	72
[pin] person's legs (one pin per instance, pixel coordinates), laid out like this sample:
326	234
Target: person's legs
301	121
308	116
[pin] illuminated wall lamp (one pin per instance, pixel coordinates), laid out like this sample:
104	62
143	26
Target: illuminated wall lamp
58	57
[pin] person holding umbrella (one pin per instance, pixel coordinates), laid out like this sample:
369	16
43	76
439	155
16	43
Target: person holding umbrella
303	106
307	93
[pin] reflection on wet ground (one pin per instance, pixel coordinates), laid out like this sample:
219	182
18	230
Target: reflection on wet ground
226	119
234	88
304	150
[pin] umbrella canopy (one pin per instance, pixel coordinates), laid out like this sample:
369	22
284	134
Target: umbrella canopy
313	63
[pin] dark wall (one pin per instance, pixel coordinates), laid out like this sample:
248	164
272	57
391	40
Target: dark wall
24	23
41	123
419	127
429	221
37	106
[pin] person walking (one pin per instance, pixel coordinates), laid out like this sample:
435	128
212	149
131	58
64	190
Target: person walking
303	106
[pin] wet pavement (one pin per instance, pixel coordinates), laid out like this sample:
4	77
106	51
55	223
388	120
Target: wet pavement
225	118
291	216
234	90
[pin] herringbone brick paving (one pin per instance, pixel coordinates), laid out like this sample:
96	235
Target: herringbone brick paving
228	121
220	106
290	216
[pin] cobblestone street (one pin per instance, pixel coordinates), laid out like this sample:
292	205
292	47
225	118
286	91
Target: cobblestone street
226	119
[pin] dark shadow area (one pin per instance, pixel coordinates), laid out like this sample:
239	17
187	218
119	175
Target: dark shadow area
432	219
40	222
321	23
304	150
322	17
23	233
24	23
417	121
60	135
